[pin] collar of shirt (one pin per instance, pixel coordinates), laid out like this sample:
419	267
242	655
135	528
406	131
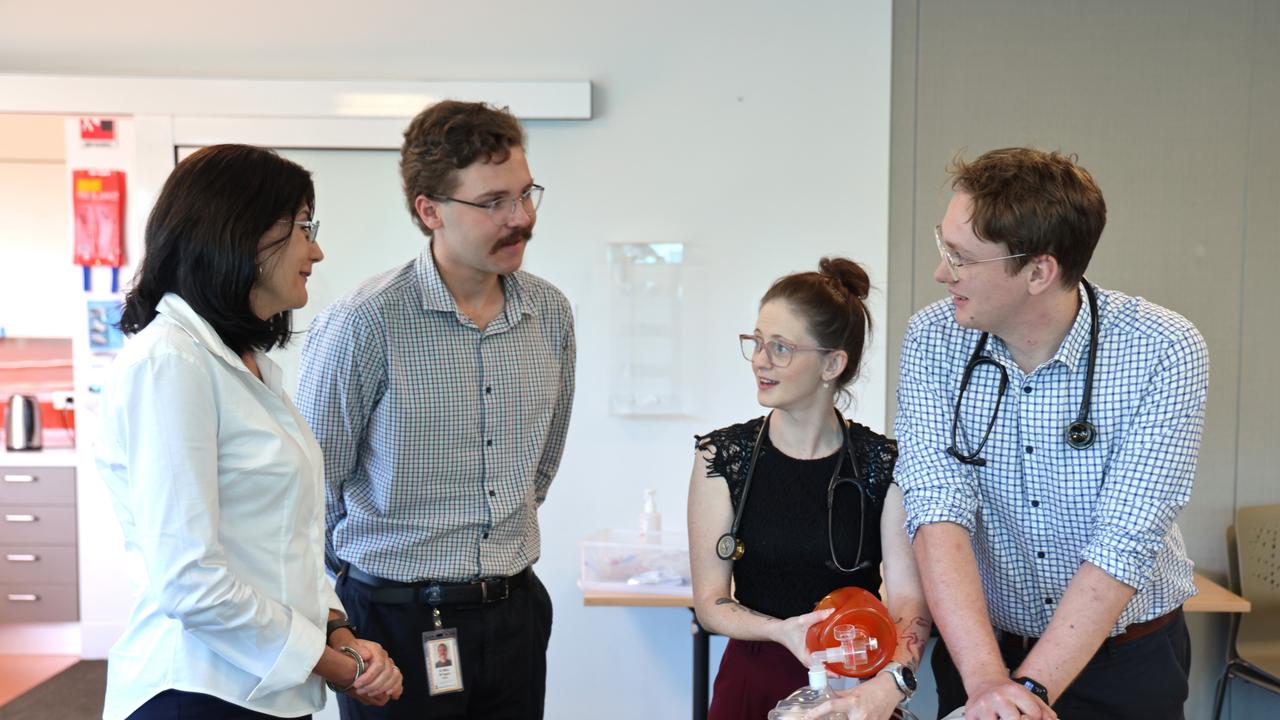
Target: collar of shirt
1072	349
176	309
436	296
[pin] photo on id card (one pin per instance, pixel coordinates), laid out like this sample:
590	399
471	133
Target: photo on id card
444	666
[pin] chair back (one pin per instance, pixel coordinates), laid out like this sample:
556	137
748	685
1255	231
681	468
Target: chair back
1258	551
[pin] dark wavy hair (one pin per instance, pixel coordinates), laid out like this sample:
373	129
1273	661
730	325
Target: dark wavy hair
832	302
202	240
450	136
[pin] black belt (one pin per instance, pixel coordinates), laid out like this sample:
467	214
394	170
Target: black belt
480	592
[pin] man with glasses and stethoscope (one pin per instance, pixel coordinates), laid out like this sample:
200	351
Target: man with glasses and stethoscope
1048	432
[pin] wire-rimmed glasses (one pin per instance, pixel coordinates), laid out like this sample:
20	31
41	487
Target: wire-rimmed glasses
501	211
954	263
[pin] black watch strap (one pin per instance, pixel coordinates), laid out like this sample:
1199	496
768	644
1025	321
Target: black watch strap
333	626
1036	688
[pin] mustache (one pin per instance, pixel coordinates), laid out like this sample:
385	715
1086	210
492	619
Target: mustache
518	235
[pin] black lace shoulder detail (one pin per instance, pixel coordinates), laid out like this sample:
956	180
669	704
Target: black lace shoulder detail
728	453
876	455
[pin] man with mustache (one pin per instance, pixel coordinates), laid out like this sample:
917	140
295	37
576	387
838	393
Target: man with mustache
440	392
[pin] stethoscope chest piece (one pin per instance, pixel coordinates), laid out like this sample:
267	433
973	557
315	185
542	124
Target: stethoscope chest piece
1081	435
730	547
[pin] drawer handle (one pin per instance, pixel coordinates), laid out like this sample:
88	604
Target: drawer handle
20	518
23	597
20	478
13	557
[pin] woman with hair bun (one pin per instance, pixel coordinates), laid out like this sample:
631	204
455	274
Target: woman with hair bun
792	546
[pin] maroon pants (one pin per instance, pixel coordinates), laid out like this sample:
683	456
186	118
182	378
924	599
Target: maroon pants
753	677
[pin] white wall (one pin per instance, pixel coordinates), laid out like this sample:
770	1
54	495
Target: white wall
754	132
35	248
760	140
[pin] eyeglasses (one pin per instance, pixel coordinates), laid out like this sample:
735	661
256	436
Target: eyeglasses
310	228
954	263
503	209
778	351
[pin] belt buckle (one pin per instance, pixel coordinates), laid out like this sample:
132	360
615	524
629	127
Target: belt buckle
434	594
484	591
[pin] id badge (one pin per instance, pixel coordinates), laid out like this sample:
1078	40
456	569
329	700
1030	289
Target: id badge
444	664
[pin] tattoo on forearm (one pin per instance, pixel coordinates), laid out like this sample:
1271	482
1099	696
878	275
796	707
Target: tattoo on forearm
913	635
735	606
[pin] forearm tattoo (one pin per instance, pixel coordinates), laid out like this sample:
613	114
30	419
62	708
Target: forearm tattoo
913	635
736	606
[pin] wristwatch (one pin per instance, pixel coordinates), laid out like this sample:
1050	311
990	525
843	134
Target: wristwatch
334	625
902	676
1036	688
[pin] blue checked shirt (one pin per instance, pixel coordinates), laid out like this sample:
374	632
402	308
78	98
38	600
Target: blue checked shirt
1039	508
440	440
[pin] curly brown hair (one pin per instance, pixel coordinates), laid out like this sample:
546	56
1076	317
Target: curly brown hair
447	137
1037	203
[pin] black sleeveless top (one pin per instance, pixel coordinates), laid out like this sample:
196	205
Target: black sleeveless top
784	570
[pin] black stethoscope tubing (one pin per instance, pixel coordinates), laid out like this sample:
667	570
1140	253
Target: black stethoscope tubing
1080	434
730	545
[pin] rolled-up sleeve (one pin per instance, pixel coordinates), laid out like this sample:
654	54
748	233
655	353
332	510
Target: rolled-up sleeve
935	488
171	423
1150	476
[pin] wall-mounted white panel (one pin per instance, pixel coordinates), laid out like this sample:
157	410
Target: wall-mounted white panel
72	94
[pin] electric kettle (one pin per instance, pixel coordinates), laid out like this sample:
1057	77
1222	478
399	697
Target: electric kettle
22	423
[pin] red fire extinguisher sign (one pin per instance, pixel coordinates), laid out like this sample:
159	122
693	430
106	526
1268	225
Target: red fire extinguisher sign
98	200
99	212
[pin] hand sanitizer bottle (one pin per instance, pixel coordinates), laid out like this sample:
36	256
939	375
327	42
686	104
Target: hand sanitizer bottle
650	519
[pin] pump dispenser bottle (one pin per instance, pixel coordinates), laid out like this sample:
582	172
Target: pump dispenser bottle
650	519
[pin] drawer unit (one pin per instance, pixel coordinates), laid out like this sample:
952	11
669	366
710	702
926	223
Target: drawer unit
37	525
39	579
37	486
38	564
38	602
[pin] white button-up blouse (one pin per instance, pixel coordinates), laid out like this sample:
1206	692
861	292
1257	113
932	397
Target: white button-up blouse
217	482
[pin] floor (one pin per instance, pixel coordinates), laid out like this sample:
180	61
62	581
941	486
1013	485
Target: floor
20	673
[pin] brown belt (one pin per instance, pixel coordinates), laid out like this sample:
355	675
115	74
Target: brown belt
1135	631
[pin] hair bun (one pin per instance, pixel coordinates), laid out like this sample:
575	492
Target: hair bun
849	275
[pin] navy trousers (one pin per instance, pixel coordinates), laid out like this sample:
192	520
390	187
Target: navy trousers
182	705
1145	678
503	648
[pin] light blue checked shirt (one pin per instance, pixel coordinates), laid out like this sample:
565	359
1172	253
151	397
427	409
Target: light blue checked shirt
1039	508
440	440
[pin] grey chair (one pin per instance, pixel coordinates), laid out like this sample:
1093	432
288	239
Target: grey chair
1253	651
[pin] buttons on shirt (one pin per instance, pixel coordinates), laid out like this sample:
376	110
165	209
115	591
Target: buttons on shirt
1040	554
488	389
488	443
1035	503
485	535
1026	388
493	493
1030	449
1048	601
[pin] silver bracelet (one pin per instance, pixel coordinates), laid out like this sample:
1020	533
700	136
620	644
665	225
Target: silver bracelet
359	670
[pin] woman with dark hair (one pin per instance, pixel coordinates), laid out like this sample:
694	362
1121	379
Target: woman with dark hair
215	477
805	530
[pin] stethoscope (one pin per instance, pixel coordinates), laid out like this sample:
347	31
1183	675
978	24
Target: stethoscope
1080	434
730	545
